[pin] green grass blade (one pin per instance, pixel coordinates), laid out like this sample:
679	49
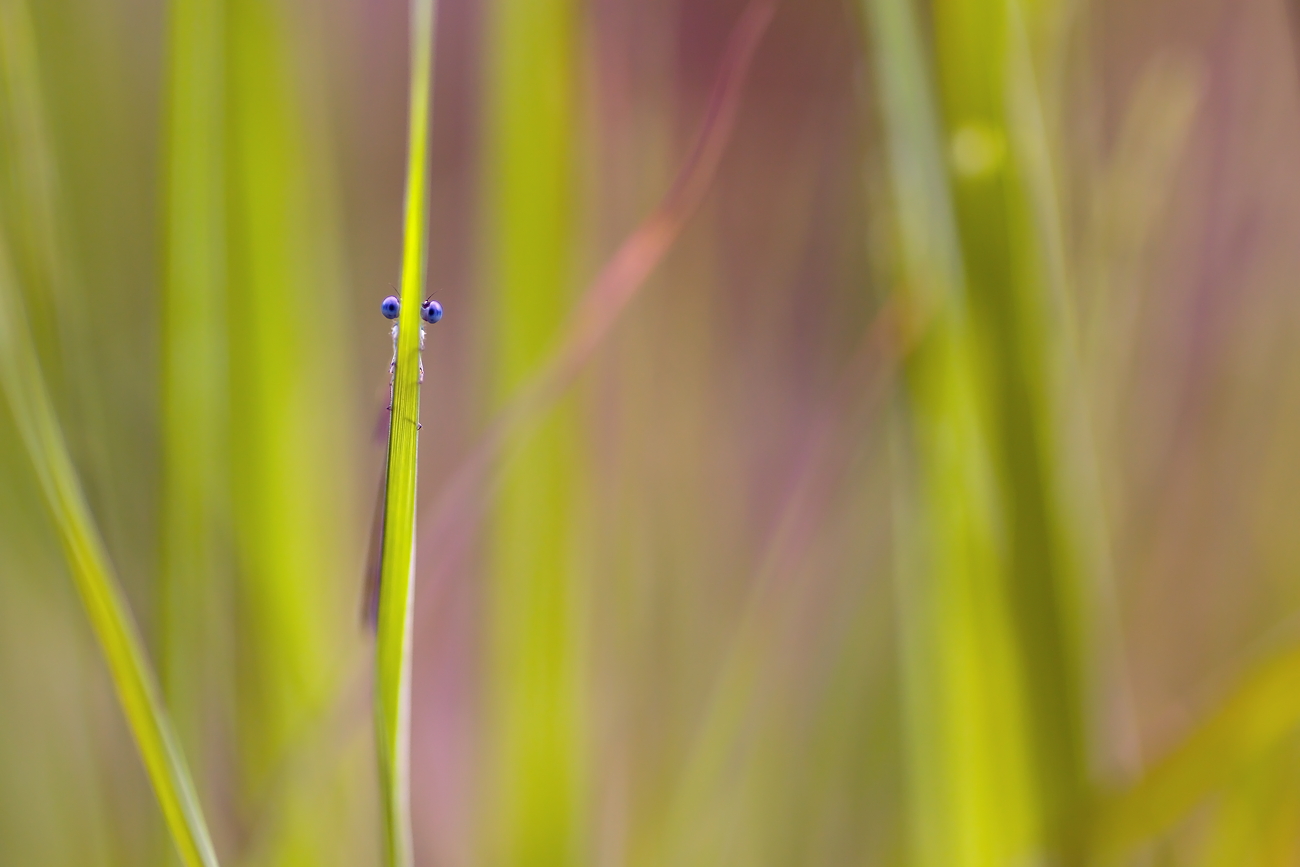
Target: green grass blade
1244	730
397	566
1006	210
193	345
290	604
33	412
532	807
974	775
961	720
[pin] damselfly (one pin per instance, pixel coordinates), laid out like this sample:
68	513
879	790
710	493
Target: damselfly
430	312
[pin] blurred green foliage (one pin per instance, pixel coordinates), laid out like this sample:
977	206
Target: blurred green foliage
860	433
532	794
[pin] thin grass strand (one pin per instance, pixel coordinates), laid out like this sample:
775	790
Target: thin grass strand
137	689
397	565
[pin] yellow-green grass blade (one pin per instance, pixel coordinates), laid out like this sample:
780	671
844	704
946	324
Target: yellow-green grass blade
293	511
193	362
33	208
1247	728
969	799
1257	819
995	769
397	564
532	800
123	650
28	193
1009	248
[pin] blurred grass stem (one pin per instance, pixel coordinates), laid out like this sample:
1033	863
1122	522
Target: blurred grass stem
194	364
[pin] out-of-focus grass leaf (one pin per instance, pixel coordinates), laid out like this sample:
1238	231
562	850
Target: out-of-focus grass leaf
293	511
25	169
35	208
137	689
1253	722
533	795
1257	820
1007	253
397	565
967	773
989	673
193	363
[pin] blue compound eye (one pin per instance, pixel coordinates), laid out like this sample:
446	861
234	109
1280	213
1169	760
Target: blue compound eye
431	311
391	307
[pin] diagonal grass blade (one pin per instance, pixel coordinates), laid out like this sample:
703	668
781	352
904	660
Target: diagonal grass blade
137	689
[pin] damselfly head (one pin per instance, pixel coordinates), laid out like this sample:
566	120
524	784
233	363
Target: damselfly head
391	307
430	311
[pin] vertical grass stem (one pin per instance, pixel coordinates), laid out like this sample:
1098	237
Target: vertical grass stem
393	655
